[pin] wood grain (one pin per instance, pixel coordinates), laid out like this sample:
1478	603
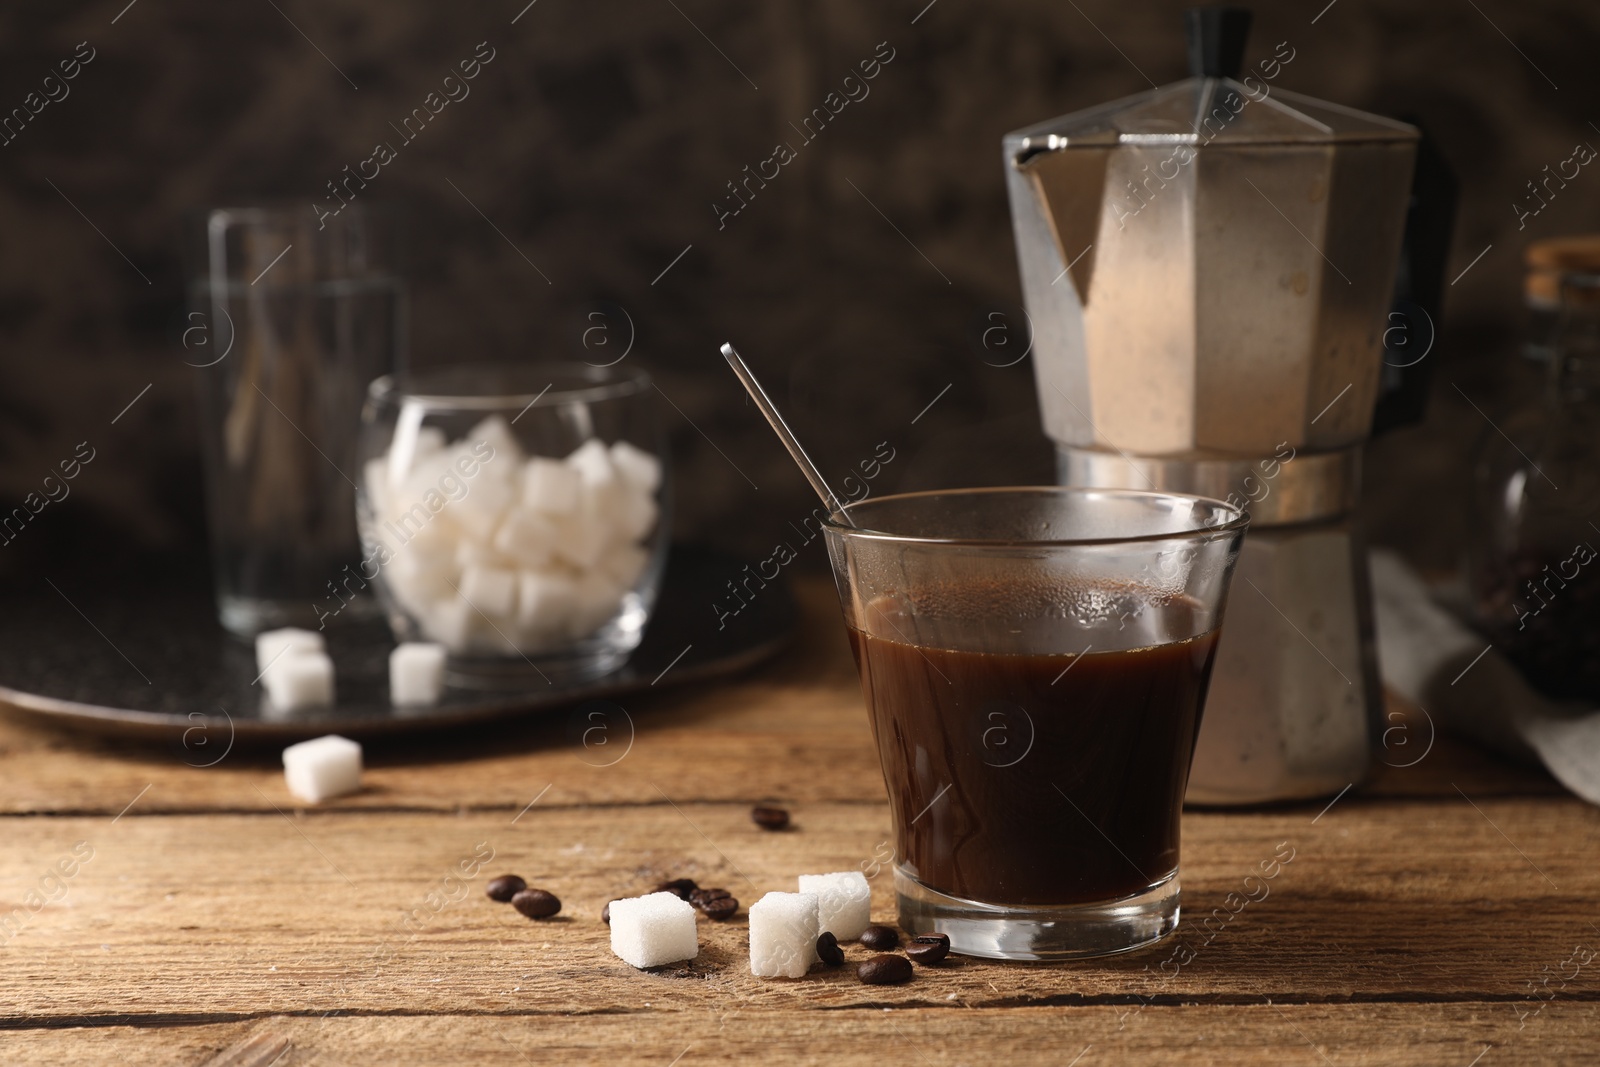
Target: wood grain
218	914
1427	915
1479	1034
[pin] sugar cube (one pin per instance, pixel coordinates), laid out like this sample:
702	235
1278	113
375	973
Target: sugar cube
479	511
454	623
545	601
550	485
419	576
653	930
592	461
635	514
783	934
598	599
638	467
526	536
844	902
416	673
580	539
300	679
274	643
501	437
624	564
491	590
325	767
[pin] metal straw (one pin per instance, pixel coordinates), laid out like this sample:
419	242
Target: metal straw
781	428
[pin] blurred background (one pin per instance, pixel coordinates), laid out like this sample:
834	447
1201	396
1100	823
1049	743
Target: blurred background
872	283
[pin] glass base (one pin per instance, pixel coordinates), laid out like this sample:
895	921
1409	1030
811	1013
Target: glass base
1039	932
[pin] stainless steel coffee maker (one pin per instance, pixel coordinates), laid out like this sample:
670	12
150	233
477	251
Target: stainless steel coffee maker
1208	268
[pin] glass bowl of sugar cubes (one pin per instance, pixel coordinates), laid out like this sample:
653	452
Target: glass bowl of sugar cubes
515	514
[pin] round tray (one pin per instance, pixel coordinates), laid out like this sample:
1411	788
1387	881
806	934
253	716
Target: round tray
144	656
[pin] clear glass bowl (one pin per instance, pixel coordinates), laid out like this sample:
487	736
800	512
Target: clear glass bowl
515	514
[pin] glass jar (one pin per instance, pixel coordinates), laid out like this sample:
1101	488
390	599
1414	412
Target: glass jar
515	515
1536	512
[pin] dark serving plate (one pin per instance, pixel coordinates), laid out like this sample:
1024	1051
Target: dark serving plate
144	655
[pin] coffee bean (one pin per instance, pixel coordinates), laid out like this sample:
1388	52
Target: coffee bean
605	912
536	903
880	938
928	948
828	950
718	904
682	888
885	970
505	887
720	908
770	818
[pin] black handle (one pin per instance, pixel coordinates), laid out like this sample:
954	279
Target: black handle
1216	40
1413	323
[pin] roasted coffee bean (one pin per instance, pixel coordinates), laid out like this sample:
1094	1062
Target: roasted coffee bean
605	912
928	948
885	970
720	908
828	950
505	887
682	888
880	938
536	903
716	903
770	818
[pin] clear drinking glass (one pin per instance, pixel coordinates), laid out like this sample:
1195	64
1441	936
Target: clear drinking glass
288	323
1035	661
516	515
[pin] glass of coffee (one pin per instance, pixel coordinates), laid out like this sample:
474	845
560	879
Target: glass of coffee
1034	662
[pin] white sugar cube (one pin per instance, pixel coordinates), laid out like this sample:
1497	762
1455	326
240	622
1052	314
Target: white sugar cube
598	599
638	467
545	601
325	767
300	679
580	539
453	623
413	484
783	934
653	930
635	514
274	643
492	590
416	673
550	485
527	536
624	564
501	437
844	902
418	576
479	512
592	461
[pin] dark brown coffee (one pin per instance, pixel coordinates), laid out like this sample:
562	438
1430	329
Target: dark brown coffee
1035	779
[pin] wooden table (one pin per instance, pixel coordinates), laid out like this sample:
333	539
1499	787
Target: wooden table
1441	914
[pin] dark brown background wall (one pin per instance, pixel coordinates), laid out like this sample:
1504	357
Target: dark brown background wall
598	139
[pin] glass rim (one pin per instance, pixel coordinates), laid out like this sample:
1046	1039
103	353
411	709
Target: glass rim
582	383
1237	524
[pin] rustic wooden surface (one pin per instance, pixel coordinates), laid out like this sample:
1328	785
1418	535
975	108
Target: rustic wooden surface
1442	913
